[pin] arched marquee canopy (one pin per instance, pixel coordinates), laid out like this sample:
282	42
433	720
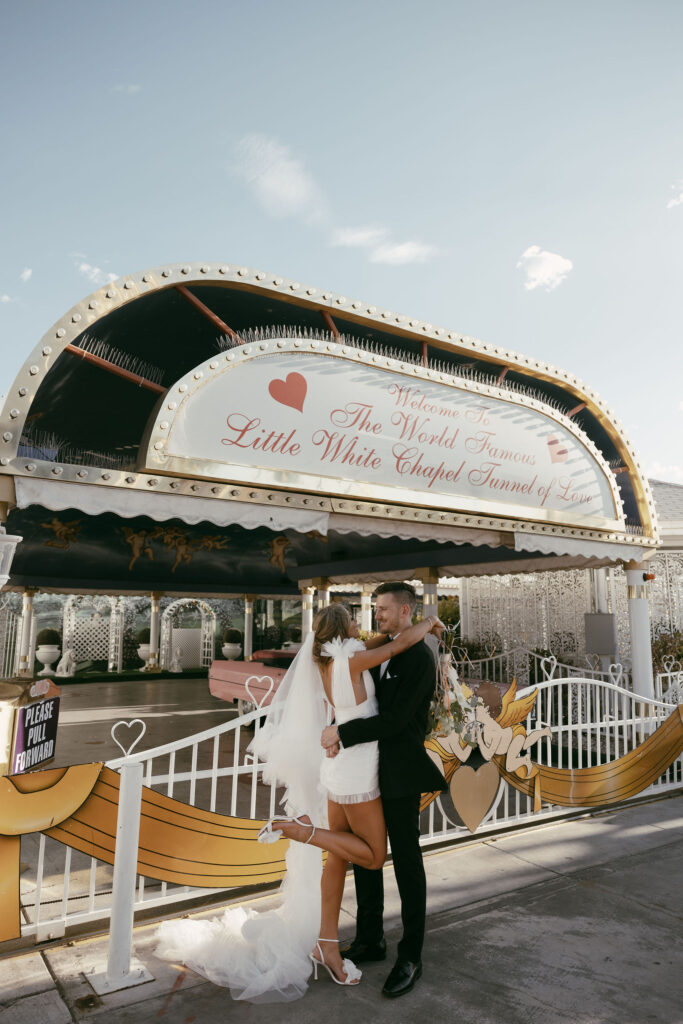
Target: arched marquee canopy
213	429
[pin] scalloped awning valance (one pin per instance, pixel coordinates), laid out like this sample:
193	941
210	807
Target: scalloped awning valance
94	501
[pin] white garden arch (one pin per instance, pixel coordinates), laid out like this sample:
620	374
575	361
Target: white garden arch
208	629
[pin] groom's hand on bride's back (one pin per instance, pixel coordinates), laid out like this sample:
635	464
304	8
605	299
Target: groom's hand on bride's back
333	751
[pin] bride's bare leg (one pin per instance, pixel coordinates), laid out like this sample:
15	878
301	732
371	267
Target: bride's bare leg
365	845
332	890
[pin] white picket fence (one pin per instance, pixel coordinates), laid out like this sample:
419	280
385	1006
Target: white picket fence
669	684
529	668
592	721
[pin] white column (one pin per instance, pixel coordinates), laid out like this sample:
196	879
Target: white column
306	611
601	602
248	626
153	660
639	619
26	626
323	587
430	600
366	608
464	609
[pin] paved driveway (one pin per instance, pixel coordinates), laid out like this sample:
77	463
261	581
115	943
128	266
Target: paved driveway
171	708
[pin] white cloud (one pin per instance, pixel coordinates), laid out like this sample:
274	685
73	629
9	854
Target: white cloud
278	179
374	237
400	253
677	198
671	473
26	274
363	237
282	185
128	89
94	274
6	298
543	269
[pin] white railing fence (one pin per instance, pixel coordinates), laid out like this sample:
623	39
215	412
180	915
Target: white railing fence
669	683
530	668
669	687
592	721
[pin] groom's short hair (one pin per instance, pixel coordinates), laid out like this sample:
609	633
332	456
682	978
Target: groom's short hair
403	593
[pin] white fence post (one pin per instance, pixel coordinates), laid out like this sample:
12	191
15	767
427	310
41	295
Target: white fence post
123	971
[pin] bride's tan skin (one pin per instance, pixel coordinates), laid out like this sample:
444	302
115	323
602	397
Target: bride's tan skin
357	832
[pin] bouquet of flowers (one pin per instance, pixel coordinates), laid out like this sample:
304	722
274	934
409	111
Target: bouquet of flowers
452	708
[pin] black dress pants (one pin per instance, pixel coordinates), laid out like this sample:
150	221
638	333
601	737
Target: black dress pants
402	815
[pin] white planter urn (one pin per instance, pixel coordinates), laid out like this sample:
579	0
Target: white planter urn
231	651
47	654
143	654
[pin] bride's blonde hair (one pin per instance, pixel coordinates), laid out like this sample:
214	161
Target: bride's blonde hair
329	623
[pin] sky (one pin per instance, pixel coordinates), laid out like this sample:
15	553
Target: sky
508	170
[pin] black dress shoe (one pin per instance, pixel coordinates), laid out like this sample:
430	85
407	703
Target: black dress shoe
363	953
403	976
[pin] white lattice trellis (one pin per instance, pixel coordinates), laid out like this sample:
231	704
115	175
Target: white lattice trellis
545	610
93	629
666	590
532	609
208	629
10	632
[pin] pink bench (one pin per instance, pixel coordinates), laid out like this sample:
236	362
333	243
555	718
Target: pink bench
227	681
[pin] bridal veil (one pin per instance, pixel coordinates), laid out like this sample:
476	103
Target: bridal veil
264	957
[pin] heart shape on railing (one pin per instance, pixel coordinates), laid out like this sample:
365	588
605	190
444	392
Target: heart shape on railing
616	673
548	666
259	679
128	725
593	662
40	688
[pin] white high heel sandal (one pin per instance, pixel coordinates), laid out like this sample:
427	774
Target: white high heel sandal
353	974
270	835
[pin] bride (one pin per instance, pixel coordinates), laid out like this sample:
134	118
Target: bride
268	956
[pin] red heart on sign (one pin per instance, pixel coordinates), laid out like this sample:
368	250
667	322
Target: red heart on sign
291	391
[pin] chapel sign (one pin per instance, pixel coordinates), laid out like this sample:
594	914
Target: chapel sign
338	425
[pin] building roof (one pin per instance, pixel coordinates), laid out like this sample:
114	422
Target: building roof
668	499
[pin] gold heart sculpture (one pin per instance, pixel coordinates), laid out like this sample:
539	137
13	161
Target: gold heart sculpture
473	793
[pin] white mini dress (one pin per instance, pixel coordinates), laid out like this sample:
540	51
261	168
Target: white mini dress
351	777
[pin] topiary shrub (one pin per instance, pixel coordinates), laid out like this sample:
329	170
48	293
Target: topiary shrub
49	638
143	635
272	636
448	610
232	636
666	643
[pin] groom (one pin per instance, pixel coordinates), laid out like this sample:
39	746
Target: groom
405	687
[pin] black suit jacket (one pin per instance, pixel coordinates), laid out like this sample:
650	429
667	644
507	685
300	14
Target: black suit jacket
404	694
